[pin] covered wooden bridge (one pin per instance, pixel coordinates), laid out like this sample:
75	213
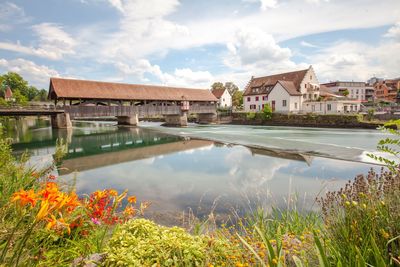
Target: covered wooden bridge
128	102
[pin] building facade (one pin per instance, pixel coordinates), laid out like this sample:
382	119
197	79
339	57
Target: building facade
387	90
285	92
357	90
224	98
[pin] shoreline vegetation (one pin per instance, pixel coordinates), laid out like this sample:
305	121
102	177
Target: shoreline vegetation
43	222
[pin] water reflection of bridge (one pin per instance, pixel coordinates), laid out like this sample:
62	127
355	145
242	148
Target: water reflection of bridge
93	161
94	151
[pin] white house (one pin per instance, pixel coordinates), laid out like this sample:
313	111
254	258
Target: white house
295	92
224	97
285	92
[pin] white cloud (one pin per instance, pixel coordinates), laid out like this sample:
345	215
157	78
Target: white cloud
258	51
37	75
264	4
53	43
357	61
394	32
307	44
10	15
180	77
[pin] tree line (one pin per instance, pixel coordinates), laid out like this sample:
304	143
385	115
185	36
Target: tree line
22	91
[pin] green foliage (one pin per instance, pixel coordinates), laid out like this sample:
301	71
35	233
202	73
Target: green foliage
370	114
345	92
266	112
237	99
141	242
22	91
250	115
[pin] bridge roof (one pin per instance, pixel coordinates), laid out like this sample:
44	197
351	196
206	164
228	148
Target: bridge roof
83	89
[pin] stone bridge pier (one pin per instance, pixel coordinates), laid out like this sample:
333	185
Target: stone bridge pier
176	120
206	118
132	120
61	121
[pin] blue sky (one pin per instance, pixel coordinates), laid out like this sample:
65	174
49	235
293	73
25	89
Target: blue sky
195	43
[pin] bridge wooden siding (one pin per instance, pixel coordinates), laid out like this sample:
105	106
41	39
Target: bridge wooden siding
128	111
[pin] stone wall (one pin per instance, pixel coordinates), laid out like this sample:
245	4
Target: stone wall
304	120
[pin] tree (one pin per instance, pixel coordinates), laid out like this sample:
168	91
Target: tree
20	99
345	92
15	82
231	87
237	99
31	92
41	95
217	85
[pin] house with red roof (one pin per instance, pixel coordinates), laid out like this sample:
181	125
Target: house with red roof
8	95
285	92
223	96
294	92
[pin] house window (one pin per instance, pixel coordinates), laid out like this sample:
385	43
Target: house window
257	98
265	97
283	103
295	105
223	99
248	99
310	77
329	106
262	106
304	96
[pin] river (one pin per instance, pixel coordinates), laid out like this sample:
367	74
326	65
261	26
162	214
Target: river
197	170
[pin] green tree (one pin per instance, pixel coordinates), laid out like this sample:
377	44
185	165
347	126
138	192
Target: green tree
217	85
345	92
15	82
237	99
31	92
20	99
231	87
41	95
267	112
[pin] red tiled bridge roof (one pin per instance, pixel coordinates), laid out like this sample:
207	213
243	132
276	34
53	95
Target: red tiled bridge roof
82	89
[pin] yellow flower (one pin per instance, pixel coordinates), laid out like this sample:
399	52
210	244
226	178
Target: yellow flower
275	261
24	197
113	192
354	203
364	206
347	203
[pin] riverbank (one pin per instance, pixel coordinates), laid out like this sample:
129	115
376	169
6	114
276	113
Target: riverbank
305	120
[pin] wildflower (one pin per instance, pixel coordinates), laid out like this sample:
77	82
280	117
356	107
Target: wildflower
274	261
347	203
354	203
383	203
95	221
43	211
24	197
52	177
113	192
52	221
129	211
132	199
364	206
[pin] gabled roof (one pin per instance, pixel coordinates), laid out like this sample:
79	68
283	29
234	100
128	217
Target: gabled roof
218	92
8	93
82	89
296	77
289	87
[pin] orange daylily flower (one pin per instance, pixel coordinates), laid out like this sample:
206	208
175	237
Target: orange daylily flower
113	192
43	211
132	199
129	211
25	197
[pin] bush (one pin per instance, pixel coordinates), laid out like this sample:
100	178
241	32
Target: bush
141	242
250	115
266	112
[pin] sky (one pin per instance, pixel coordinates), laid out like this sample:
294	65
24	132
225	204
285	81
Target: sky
193	43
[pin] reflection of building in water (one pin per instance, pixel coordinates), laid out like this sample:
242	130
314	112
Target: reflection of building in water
282	154
110	154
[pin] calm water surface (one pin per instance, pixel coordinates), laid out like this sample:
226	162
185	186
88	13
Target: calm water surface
231	167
